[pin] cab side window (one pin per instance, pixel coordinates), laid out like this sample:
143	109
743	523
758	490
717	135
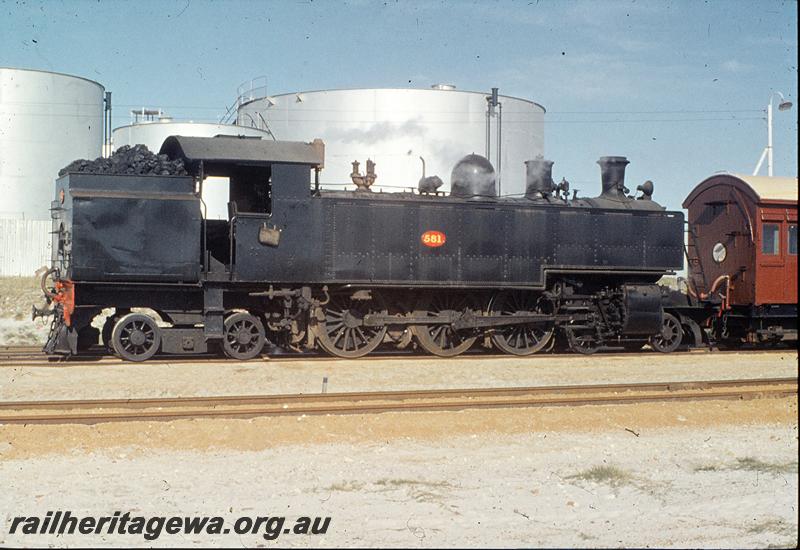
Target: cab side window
771	239
792	240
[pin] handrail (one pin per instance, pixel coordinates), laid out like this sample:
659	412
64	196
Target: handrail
231	228
245	94
726	299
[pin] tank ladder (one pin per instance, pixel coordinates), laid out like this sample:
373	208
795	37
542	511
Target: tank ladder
696	275
246	92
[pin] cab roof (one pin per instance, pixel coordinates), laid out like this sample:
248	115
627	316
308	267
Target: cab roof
241	151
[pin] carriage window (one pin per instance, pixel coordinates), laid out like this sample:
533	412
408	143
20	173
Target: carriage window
793	240
770	243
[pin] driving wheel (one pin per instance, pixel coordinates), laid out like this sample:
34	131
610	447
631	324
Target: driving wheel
522	339
343	333
441	338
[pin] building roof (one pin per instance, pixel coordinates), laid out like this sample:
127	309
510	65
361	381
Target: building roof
758	188
240	150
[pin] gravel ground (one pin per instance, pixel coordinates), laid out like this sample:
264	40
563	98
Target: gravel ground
703	474
710	474
87	380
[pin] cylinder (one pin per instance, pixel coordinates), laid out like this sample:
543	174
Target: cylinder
538	178
612	175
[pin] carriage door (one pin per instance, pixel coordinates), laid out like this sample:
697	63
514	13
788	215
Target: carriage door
790	269
771	258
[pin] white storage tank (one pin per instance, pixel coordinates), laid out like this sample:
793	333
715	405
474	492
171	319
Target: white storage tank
395	127
152	134
48	120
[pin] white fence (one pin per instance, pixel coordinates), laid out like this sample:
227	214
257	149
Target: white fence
24	246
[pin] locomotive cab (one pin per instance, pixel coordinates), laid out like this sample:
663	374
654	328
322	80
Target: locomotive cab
263	175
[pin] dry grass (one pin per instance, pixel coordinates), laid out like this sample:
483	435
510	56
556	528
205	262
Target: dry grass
707	468
750	464
433	492
345	486
16	296
387	484
395	483
605	474
754	465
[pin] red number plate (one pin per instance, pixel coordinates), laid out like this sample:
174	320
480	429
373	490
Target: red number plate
433	238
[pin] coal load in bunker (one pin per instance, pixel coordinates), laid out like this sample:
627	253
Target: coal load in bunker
348	272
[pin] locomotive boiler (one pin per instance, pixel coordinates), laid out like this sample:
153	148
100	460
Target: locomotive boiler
349	271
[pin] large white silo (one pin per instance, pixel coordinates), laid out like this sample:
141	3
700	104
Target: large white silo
47	120
152	134
395	127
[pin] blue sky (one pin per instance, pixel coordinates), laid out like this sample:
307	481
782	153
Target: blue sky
680	88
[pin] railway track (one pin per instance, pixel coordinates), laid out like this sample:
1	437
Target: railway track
33	357
251	406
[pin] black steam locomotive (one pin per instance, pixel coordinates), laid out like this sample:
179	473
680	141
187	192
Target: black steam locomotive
348	271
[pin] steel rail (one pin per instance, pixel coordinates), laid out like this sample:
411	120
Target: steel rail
373	402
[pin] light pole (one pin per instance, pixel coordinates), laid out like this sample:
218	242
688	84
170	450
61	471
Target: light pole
782	106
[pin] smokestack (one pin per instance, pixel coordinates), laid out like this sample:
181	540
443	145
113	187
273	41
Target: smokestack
538	178
612	174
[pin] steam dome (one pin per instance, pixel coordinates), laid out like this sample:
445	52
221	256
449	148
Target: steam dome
473	176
